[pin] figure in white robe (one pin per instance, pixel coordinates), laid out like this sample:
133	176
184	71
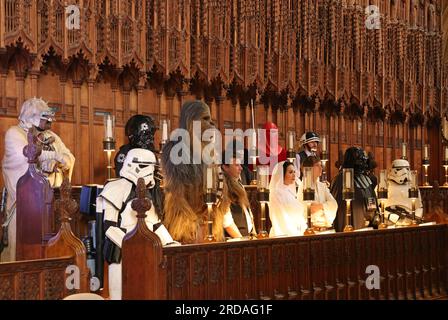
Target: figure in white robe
55	160
286	211
324	207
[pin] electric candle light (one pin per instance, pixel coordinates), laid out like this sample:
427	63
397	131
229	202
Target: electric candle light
324	143
291	140
403	150
164	131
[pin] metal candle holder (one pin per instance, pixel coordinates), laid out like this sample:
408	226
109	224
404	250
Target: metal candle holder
348	194
308	197
210	194
291	154
324	159
210	199
445	166
263	198
425	164
382	196
109	142
413	195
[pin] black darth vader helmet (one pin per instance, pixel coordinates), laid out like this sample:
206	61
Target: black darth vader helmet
140	130
356	158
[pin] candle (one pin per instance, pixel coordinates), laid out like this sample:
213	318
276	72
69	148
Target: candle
308	177
413	179
426	154
291	140
348	179
383	180
164	131
252	113
263	177
253	142
324	144
446	153
209	178
403	149
109	127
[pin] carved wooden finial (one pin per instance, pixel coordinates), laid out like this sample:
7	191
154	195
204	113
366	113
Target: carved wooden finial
66	206
33	150
142	203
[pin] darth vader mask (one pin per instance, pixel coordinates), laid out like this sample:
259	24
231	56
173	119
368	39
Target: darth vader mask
356	158
140	130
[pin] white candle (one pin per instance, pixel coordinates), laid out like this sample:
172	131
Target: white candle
413	179
383	179
164	131
263	181
308	177
253	142
348	180
446	153
109	127
403	149
291	141
252	113
324	144
426	156
209	178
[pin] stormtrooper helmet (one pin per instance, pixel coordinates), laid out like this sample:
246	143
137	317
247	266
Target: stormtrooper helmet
309	137
139	163
400	171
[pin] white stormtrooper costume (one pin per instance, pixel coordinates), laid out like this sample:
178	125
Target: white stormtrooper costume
14	165
399	179
119	218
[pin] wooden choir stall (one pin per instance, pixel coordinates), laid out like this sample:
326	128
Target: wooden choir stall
412	264
44	260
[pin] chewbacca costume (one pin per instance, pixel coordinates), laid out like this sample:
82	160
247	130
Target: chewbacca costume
185	212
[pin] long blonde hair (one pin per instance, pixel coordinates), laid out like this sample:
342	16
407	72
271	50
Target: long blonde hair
237	193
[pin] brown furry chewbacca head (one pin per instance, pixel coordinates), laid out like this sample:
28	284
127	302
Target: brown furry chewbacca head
185	212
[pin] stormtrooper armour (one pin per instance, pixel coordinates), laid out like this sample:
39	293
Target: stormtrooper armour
119	218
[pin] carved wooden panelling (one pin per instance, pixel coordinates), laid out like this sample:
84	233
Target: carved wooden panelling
296	54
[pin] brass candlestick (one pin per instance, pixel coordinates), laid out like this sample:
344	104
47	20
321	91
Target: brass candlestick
308	196
109	147
210	193
382	196
209	237
324	159
445	166
348	226
425	167
413	194
109	141
263	198
348	194
253	181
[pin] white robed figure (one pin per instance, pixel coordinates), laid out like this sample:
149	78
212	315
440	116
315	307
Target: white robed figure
286	211
55	161
119	218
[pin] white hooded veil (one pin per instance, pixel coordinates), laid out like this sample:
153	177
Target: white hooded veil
286	211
